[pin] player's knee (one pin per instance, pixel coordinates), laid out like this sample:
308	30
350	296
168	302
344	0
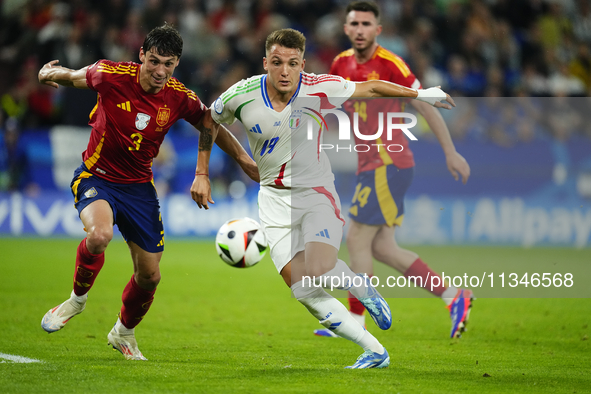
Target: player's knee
98	239
378	254
383	250
148	281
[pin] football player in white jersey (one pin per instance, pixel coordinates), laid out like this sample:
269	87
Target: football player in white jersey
298	204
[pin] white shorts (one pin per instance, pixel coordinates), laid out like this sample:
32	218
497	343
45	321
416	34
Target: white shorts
293	217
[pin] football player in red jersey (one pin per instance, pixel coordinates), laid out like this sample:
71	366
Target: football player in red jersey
383	176
137	104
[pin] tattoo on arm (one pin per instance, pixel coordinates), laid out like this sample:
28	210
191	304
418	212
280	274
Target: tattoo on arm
205	140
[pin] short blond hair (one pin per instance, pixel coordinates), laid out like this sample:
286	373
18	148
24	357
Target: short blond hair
288	38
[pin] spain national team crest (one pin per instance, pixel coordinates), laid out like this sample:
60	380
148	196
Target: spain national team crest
163	116
373	76
141	121
295	119
90	193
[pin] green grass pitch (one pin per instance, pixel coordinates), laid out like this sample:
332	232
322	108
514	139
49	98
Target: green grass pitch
218	329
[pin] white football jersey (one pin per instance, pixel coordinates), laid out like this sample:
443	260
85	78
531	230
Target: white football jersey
280	141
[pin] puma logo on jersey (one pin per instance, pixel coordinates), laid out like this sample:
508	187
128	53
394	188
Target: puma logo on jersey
278	123
256	129
125	106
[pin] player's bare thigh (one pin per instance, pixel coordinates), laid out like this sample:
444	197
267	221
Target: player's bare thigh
97	218
361	233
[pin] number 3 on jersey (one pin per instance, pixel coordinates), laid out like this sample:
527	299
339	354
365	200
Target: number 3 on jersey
137	140
270	144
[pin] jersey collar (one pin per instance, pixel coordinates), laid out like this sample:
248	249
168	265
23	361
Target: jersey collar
375	53
265	94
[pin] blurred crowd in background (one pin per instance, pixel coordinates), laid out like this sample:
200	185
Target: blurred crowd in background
473	48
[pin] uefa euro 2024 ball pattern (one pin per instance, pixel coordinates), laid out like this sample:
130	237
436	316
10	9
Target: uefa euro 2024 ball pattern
241	243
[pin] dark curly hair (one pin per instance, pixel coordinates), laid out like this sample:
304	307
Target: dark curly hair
166	39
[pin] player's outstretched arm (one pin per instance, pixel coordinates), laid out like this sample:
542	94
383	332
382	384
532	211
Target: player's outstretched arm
201	188
53	75
434	96
229	144
456	164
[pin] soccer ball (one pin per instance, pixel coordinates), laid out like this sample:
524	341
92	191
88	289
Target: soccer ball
241	243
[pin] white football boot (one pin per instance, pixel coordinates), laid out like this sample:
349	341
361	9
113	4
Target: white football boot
56	318
125	342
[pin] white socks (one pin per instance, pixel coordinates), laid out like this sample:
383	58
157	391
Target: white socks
121	329
449	294
358	318
79	299
334	316
342	278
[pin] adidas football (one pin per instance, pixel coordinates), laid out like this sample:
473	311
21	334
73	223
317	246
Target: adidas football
241	243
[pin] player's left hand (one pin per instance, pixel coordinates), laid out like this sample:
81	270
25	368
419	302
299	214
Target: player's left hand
458	166
201	191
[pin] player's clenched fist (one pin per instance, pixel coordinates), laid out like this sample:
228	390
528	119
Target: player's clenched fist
45	74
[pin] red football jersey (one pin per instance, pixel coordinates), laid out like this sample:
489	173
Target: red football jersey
128	124
386	66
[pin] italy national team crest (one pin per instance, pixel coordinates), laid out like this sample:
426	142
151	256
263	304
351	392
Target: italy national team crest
162	117
141	121
295	119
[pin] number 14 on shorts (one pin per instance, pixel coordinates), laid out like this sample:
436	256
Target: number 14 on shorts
360	196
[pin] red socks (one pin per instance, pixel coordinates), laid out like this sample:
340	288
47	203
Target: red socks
88	267
355	306
136	302
418	268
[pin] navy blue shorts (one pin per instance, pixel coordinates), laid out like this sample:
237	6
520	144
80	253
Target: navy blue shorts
135	206
379	195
